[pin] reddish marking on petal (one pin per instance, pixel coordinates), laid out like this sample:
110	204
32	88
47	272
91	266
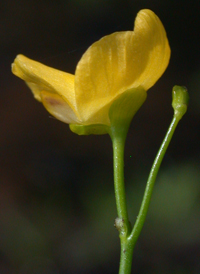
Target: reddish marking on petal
53	101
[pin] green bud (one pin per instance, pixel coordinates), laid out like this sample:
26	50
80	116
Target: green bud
180	100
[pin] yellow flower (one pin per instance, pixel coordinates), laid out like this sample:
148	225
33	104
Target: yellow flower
128	62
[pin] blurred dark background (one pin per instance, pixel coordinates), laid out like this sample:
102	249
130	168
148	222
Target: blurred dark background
57	206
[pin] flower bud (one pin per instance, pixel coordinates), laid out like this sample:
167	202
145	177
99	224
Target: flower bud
180	100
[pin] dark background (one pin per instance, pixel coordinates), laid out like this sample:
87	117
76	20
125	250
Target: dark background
57	205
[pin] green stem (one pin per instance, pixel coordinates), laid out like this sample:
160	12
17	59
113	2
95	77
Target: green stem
118	136
118	131
180	100
129	238
126	257
150	183
118	164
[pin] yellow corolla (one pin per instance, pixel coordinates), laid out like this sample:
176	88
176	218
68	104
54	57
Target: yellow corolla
128	62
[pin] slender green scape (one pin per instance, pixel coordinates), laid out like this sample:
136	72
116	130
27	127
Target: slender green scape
128	236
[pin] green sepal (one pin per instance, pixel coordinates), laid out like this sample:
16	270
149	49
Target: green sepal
97	129
124	108
180	100
121	113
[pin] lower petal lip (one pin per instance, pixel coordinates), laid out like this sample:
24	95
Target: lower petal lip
58	107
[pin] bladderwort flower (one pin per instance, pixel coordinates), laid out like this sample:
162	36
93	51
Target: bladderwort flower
110	84
111	78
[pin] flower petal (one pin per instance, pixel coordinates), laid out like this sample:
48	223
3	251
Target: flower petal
43	78
58	107
121	61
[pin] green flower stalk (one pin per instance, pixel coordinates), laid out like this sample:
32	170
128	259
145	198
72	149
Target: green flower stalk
128	236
